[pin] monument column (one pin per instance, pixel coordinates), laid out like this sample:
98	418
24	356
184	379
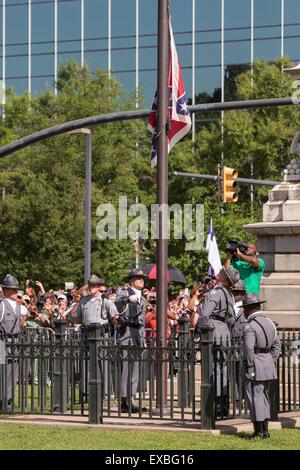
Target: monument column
278	243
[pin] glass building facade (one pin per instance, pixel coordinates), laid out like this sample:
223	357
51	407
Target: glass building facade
120	35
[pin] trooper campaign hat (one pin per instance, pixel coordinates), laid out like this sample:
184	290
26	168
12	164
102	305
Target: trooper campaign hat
10	282
95	280
239	287
137	273
232	275
252	299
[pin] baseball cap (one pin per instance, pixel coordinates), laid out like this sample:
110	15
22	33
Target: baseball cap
61	296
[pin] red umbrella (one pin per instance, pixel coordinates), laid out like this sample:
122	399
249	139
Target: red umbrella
173	274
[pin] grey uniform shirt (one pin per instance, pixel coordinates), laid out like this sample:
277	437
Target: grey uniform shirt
132	312
218	302
260	333
238	322
96	310
10	315
216	312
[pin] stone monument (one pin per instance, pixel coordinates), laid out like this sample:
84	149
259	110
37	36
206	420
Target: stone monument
278	243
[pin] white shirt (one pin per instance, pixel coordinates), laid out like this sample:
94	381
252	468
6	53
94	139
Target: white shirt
137	292
237	306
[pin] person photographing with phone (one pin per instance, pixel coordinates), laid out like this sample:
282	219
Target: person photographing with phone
243	257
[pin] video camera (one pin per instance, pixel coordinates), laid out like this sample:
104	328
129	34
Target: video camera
184	313
233	245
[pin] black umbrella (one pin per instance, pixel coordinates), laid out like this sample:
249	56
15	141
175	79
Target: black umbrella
173	274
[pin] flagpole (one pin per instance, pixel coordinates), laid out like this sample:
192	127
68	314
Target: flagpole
162	193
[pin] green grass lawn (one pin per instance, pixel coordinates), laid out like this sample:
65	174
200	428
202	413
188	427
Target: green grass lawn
27	437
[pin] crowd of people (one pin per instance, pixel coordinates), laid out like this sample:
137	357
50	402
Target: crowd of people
228	302
40	309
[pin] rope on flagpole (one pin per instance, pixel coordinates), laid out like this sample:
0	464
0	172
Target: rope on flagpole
166	127
163	128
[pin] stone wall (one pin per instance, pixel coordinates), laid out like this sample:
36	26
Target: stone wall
278	243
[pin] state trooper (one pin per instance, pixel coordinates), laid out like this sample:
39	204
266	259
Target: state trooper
238	321
131	331
218	307
261	353
12	319
237	325
217	311
96	308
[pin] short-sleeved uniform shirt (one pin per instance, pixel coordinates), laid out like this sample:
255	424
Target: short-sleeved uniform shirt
250	274
96	310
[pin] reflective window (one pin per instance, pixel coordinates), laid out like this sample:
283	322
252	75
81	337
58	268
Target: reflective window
42	37
96	31
267	38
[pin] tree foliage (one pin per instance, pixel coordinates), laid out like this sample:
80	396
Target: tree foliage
42	214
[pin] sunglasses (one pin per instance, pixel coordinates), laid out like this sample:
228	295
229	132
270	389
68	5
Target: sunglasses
103	291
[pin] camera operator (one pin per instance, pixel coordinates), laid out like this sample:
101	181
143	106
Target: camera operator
197	297
250	267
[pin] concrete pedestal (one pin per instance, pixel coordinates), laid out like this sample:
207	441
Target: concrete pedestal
278	243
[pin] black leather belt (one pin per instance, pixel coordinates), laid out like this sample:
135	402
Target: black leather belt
134	325
8	335
216	317
105	327
262	350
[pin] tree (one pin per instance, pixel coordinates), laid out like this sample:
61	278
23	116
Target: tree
262	136
42	215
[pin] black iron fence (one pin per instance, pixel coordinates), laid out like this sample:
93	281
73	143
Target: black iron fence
43	371
81	372
288	388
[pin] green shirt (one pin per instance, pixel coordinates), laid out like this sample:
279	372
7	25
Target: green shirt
35	322
250	274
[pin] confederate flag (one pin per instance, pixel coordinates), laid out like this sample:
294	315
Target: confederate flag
179	116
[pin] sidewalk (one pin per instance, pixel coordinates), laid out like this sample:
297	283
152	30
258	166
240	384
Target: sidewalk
233	426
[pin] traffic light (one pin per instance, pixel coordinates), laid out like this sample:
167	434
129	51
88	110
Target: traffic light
229	184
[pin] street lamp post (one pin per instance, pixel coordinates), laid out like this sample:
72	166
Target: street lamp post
294	72
88	198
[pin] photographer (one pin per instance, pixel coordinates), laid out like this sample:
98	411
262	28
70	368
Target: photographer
30	290
60	311
243	257
34	319
150	316
197	297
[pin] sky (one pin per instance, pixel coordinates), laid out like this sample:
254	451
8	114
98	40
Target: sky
267	14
